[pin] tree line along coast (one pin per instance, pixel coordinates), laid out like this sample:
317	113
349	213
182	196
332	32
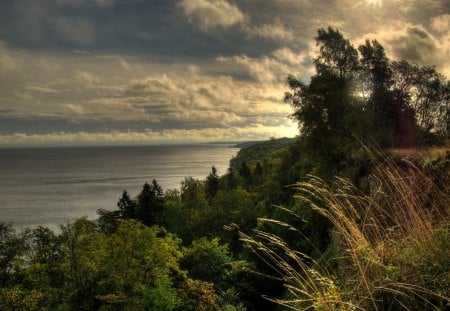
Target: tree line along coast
342	217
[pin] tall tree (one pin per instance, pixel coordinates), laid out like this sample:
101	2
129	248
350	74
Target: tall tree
245	173
13	246
326	108
337	56
127	206
376	77
212	183
150	204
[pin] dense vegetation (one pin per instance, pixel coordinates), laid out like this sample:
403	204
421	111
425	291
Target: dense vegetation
318	222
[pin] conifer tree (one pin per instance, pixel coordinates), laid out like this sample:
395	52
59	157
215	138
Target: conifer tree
212	183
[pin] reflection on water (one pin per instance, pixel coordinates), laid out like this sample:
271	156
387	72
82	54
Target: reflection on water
51	186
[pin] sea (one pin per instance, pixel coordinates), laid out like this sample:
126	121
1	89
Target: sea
56	185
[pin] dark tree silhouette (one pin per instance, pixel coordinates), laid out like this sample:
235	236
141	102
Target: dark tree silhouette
212	183
150	204
127	206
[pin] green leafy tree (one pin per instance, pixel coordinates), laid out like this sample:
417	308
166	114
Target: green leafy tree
108	221
80	267
327	112
337	57
229	181
376	77
234	206
198	295
162	297
17	298
420	97
43	272
206	259
13	246
136	263
258	174
195	210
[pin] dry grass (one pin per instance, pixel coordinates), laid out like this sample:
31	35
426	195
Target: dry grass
420	152
392	246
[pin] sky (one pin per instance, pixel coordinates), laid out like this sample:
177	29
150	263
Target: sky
170	71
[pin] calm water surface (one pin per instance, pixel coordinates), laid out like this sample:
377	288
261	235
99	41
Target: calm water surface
52	186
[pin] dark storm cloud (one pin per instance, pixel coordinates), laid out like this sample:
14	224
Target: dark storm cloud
416	45
156	28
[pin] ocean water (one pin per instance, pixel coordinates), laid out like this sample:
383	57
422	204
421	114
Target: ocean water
53	186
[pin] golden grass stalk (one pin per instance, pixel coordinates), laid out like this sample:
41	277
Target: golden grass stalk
392	243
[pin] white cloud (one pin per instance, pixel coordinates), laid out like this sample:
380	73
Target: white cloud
212	13
441	23
41	89
253	132
273	68
86	78
287	55
76	109
276	31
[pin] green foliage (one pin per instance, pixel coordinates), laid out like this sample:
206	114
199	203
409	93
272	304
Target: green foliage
259	151
337	57
206	259
127	206
212	183
13	246
150	204
108	221
163	297
372	99
326	108
16	298
198	296
234	206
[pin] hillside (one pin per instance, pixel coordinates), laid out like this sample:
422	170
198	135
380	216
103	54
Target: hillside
258	151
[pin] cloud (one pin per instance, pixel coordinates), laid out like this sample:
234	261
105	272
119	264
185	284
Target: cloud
441	23
212	13
86	78
253	132
7	61
75	91
276	31
40	89
62	73
275	67
76	109
415	43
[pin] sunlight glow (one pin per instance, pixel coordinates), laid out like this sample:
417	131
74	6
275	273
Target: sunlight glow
375	2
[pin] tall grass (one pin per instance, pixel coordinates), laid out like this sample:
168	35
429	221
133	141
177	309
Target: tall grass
390	245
